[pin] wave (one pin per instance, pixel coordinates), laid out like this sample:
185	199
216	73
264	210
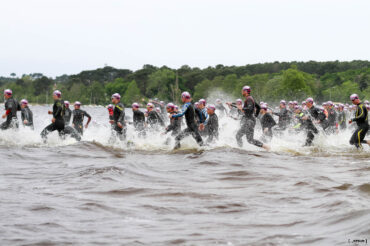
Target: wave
365	188
122	192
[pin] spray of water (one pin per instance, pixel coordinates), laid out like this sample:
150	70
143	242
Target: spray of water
99	132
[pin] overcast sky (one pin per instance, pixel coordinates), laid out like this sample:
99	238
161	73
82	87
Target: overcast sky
58	37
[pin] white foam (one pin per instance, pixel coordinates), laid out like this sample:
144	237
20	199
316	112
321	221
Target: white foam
99	131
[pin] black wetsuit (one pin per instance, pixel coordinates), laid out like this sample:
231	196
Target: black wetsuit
174	126
26	114
308	126
192	128
59	124
212	127
362	126
332	121
119	117
284	118
138	121
78	119
154	119
67	116
248	122
12	106
163	113
342	120
317	114
267	122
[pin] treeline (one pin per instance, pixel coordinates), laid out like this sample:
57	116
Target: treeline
269	81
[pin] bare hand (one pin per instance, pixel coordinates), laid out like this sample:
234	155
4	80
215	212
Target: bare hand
239	107
201	127
350	122
25	122
50	112
53	120
111	121
305	117
119	125
86	126
4	115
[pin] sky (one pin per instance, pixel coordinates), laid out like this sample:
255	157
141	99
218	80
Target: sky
56	37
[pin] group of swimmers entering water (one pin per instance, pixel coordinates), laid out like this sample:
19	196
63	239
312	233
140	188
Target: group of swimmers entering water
201	119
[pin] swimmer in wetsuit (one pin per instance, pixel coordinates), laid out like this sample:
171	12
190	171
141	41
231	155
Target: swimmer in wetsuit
204	117
250	110
220	108
235	112
342	117
26	114
360	118
189	113
267	122
138	120
211	128
305	123
78	118
118	118
284	116
153	118
332	118
11	108
57	123
162	106
175	123
67	113
316	114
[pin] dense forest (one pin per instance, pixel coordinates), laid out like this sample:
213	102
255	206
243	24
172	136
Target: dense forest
270	82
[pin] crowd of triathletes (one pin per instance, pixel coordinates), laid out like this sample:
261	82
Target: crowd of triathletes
201	119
